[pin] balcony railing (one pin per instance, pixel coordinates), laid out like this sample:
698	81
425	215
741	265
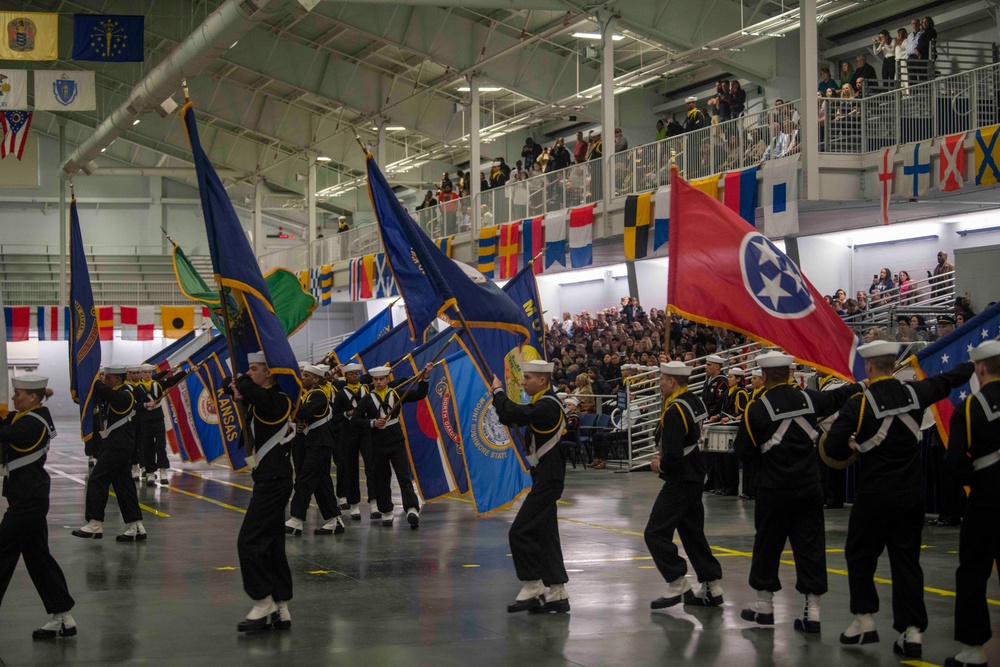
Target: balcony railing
106	293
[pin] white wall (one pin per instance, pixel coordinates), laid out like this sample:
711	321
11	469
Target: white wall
826	263
589	289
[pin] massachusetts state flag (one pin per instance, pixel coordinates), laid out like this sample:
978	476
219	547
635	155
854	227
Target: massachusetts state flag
555	238
510	246
741	194
17	320
725	273
951	350
137	322
487	250
53	322
581	236
951	163
533	242
781	197
637	225
106	322
661	216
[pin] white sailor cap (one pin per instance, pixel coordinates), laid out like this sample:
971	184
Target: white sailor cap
256	358
133	368
147	367
715	359
878	348
572	400
738	372
115	369
538	366
30	381
757	373
379	371
676	368
562	395
986	350
691	99
775	360
315	370
302	364
350	368
323	367
628	367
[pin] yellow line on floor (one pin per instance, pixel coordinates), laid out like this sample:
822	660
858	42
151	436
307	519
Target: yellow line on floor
212	479
207	500
83	482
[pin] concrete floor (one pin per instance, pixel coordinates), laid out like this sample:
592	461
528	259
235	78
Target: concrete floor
436	596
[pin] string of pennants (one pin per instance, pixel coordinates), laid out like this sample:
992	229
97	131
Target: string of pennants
51	323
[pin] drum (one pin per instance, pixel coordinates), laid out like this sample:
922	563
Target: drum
718	439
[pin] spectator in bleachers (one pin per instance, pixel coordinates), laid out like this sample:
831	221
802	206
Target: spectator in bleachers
584	392
899	53
924	38
580	149
445	180
737	99
530	152
863	71
484	183
543	160
621	143
845	76
674	129
904	332
884	50
719	104
875	333
695	119
881	286
906	288
862	298
517	170
485	217
911	38
852	308
825	82
559	156
596	147
428	201
661	130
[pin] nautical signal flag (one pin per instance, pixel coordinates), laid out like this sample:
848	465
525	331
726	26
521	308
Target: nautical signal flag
555	237
741	194
106	322
13	89
176	320
581	237
361	284
533	242
14	126
637	225
725	273
137	322
487	250
916	180
781	197
53	322
987	154
17	320
108	38
951	163
709	185
446	245
510	246
886	175
29	36
661	216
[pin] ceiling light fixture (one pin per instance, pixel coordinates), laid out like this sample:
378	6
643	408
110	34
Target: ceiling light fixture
482	89
596	36
323	158
135	122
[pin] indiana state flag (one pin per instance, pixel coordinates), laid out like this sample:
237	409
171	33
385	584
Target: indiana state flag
950	351
108	38
85	338
497	477
254	325
371	331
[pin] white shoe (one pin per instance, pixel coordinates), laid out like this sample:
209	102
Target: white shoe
676	590
135	473
259	617
760	612
413	518
343	503
530	590
282	619
334	526
135	532
710	595
809	622
861	631
293	526
151	479
61	625
355	513
94	529
387	518
970	656
910	644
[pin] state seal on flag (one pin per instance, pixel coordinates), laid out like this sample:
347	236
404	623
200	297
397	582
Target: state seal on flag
773	280
488	434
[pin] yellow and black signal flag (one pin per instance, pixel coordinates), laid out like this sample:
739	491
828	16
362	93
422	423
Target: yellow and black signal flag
637	225
176	320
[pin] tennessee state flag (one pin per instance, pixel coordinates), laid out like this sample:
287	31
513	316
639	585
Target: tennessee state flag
725	273
533	242
510	245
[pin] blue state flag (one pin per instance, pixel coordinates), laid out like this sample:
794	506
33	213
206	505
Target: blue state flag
85	339
171	349
254	325
371	331
388	349
109	38
213	373
497	477
523	291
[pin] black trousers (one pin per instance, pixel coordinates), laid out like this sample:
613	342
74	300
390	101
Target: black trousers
24	531
152	444
834	483
726	470
534	536
893	523
261	543
313	479
298	454
678	508
795	515
388	458
353	443
949	494
93	446
978	548
113	469
750	478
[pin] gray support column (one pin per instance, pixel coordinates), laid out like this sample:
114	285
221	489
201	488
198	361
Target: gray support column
63	220
258	218
156	216
474	156
808	113
380	147
633	280
311	211
607	113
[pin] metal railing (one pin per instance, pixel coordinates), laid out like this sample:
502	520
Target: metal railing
106	293
573	186
934	295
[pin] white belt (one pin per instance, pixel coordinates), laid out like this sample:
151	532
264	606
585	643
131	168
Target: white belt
985	461
877	439
23	461
775	439
536	454
688	450
318	423
106	432
281	437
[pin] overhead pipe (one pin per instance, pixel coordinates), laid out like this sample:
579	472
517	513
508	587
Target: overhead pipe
204	45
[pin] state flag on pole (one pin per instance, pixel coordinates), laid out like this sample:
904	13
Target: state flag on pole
17	320
916	179
886	177
14	126
555	238
781	197
70	90
725	273
951	163
637	225
29	36
106	322
533	242
581	236
137	322
13	89
987	154
741	193
487	250
53	322
510	246
108	37
661	216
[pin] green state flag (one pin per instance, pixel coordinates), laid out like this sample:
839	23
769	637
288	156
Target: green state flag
292	304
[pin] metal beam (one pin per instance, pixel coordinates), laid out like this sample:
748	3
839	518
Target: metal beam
552	5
